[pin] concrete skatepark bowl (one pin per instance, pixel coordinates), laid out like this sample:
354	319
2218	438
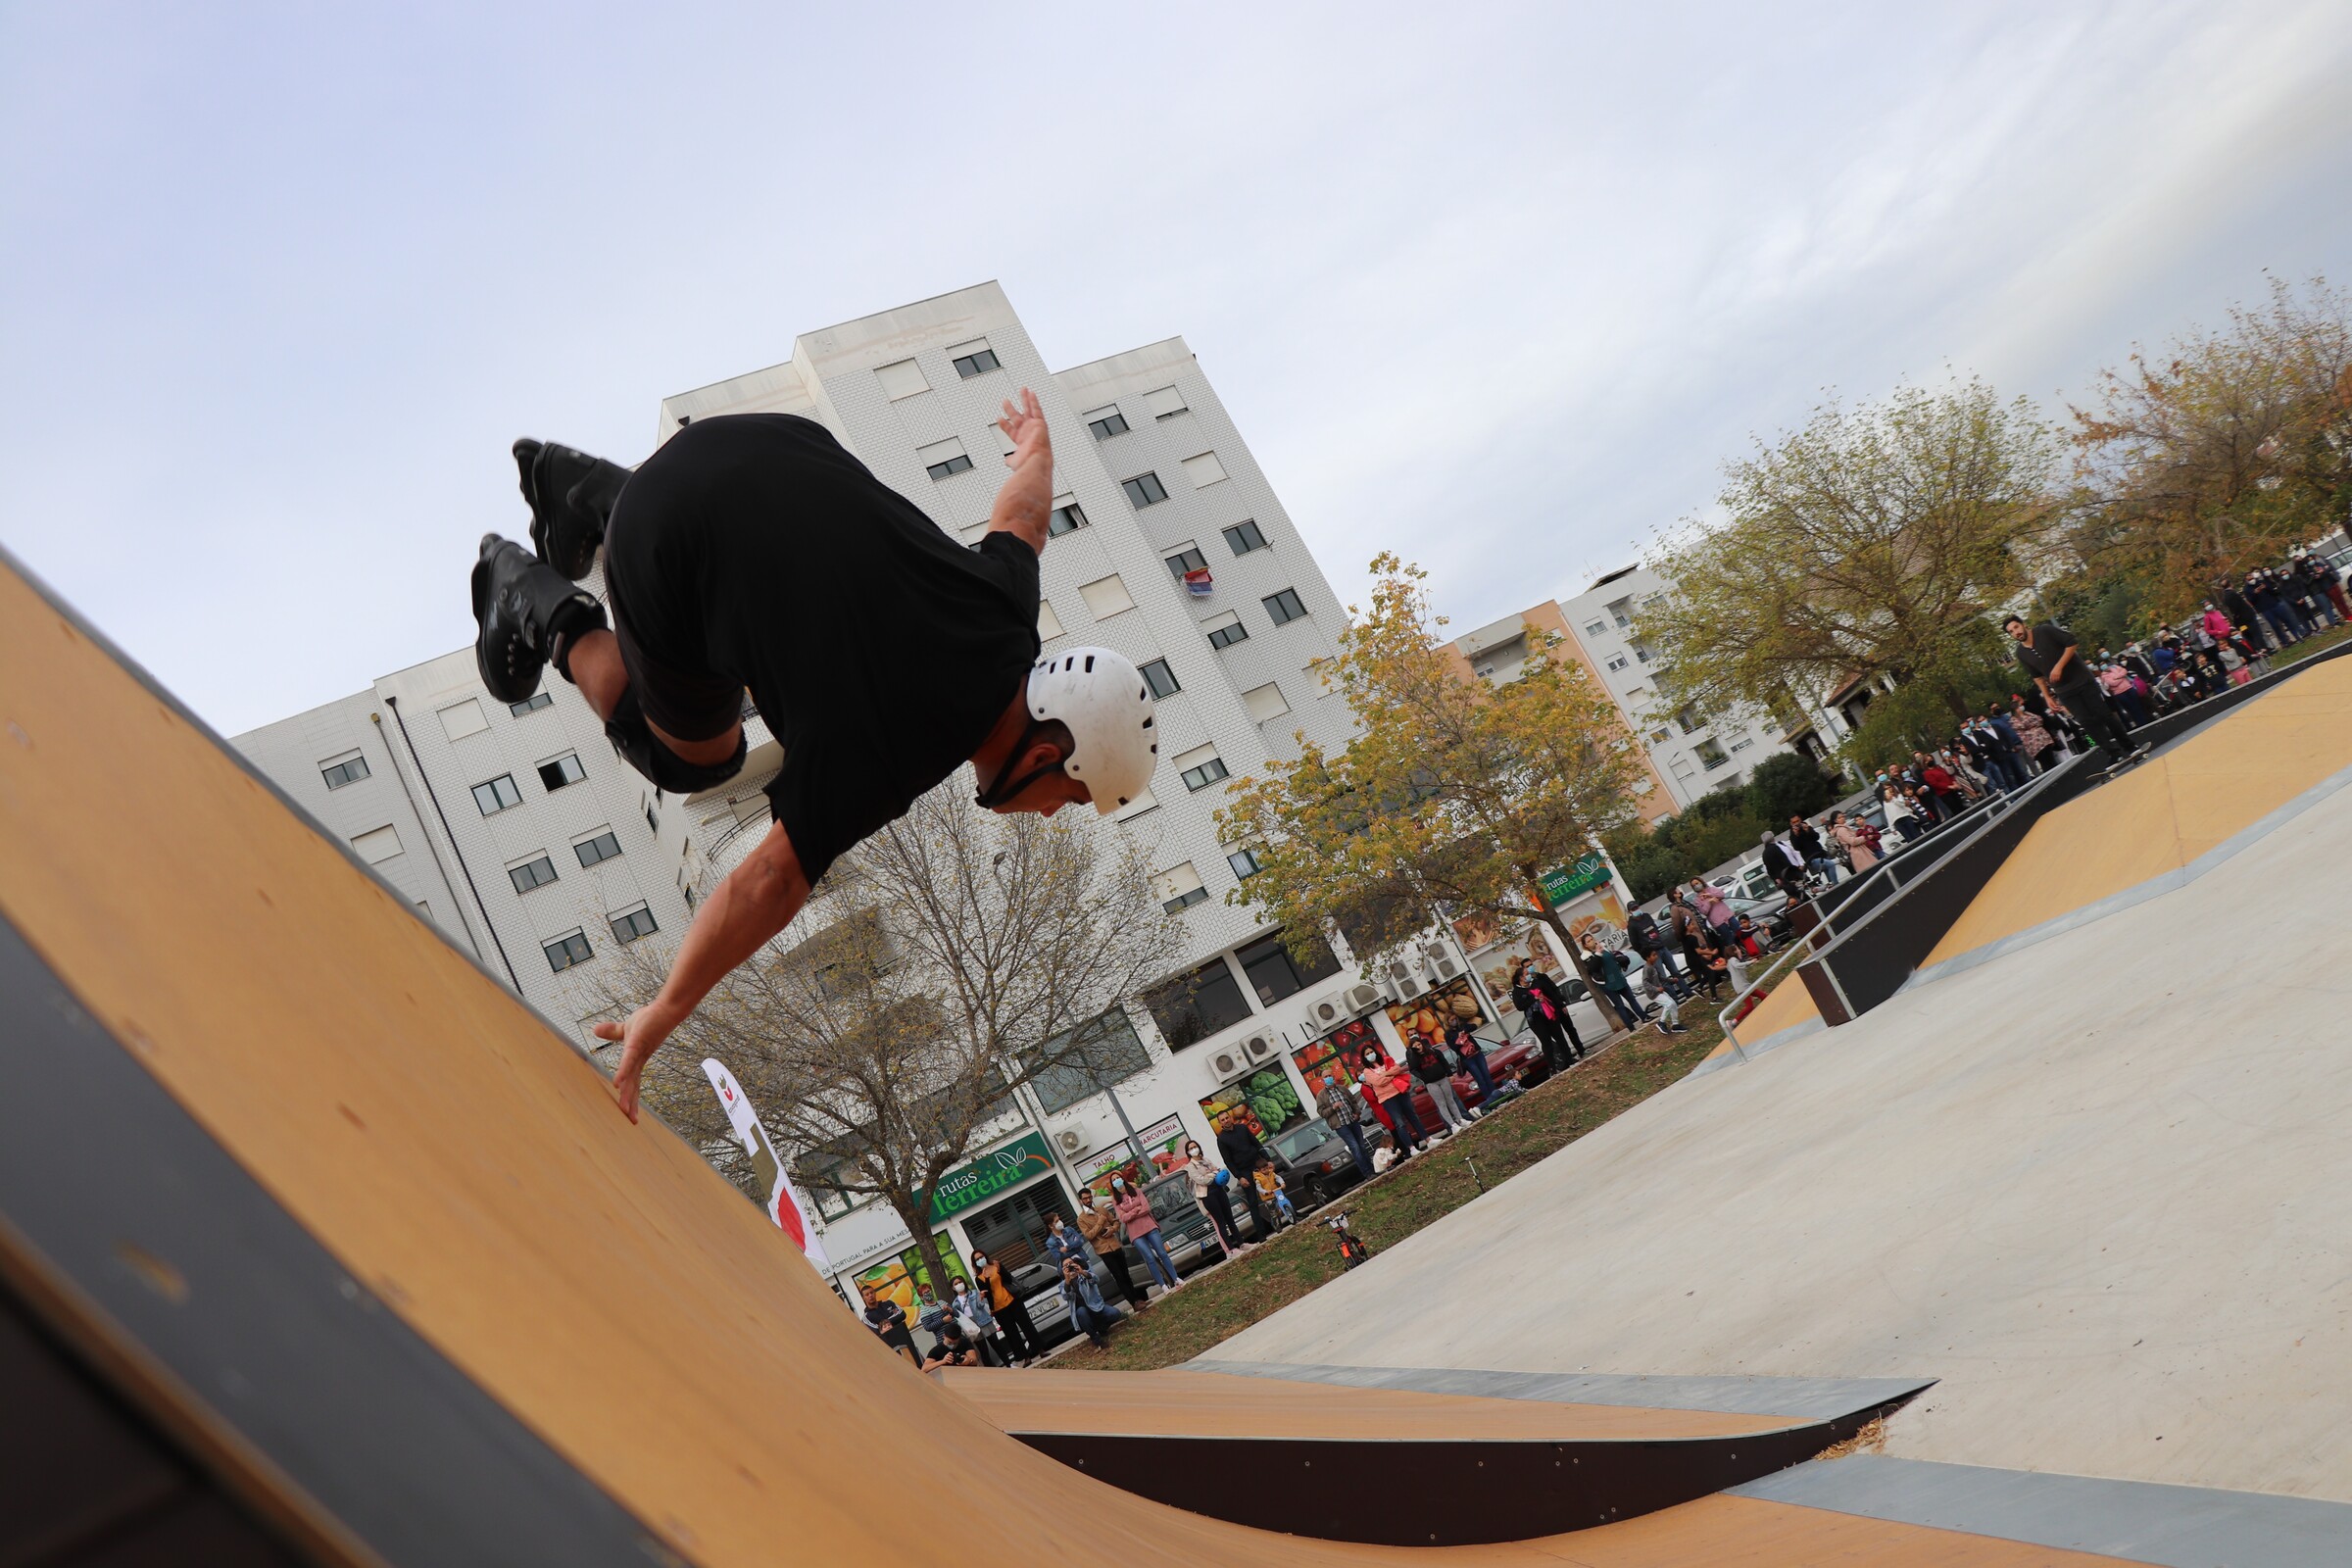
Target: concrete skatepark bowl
317	1246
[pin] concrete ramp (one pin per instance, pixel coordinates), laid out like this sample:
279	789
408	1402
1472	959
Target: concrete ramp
304	1218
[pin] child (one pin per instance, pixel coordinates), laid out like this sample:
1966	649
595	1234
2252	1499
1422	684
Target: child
1270	1190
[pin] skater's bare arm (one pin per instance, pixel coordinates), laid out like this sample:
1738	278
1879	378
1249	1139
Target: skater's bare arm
756	900
1027	499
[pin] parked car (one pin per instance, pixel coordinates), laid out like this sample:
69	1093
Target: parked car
1315	1166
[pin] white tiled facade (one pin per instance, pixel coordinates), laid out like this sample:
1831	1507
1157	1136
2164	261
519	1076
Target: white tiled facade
431	735
890	388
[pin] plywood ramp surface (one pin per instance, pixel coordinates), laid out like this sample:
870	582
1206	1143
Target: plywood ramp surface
1787	1005
594	1277
2169	810
1213	1404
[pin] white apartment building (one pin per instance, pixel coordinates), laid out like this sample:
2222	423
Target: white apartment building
514	829
523	834
1690	754
1693	752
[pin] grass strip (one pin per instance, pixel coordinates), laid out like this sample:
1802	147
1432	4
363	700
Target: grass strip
1221	1302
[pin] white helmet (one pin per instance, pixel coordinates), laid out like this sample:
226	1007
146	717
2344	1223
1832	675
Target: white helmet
1101	696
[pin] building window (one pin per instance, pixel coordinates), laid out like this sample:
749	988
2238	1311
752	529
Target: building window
378	845
1048	624
1086	1060
531	704
531	874
1106	423
1204	774
461	719
1593	628
631	924
497	796
1244	538
653	823
1660	736
979	362
1194	1007
1274	974
1265	703
1741	746
1285	606
1184	560
1204	469
1160	678
564	771
1691	718
344	771
1227	635
1244	864
954	465
603	847
1711	755
903	378
1163	404
1618	662
1066	520
1180	888
567	950
1107	597
1144	490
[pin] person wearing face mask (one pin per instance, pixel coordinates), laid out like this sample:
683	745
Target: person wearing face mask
972	1306
1207	1183
1012	1316
1100	1228
1143	1229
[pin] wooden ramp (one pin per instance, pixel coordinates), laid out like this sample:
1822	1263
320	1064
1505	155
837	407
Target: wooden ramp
304	1218
2161	817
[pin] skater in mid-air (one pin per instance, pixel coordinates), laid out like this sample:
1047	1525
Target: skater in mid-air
752	552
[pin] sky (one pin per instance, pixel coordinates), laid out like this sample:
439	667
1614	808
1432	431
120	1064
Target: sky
1500	288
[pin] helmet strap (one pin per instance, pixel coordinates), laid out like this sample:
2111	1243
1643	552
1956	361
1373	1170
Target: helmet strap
997	793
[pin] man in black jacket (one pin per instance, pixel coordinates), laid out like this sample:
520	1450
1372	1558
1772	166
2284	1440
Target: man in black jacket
2049	653
1243	1152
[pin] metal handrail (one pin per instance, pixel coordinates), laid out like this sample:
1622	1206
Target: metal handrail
1992	806
1837	937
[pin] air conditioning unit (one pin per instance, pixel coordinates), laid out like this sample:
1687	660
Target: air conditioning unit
1326	1015
1362	999
1407	984
1442	968
1227	1064
1071	1141
1263	1046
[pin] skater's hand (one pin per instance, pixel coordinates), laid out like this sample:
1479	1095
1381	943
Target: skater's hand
641	1035
1025	428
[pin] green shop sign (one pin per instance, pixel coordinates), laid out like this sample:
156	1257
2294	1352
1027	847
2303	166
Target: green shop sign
990	1175
1566	882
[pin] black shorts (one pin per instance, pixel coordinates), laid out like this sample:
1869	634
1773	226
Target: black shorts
654	556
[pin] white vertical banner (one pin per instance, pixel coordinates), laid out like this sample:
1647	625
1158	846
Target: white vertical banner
784	1204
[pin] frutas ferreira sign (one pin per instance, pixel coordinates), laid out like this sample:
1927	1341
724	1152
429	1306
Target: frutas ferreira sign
1565	882
990	1175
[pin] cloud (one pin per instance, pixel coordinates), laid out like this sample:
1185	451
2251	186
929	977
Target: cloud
1497	287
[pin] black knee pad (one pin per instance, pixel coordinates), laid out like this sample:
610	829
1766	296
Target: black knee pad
643	751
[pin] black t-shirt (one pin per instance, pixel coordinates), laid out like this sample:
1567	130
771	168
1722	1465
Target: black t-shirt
889	1322
2050	642
753	550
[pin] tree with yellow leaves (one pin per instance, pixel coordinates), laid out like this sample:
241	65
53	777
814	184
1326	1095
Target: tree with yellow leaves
1453	797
